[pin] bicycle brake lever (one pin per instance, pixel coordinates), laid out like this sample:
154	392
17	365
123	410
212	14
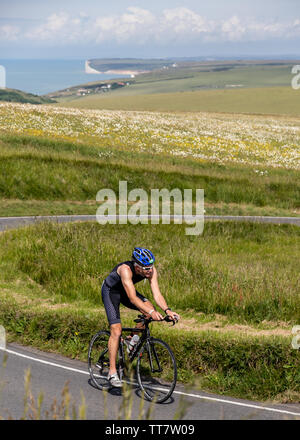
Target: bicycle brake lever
168	319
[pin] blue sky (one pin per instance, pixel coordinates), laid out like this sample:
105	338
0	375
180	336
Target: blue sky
165	28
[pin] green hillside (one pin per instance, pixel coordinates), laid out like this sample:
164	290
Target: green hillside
129	64
267	100
190	78
12	95
231	86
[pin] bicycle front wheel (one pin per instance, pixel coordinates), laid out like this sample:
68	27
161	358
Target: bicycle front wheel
98	360
156	370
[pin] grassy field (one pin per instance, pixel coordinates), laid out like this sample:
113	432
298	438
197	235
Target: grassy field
42	176
232	86
271	100
189	78
53	161
251	140
229	270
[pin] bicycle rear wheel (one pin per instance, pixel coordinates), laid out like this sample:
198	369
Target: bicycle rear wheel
98	360
156	370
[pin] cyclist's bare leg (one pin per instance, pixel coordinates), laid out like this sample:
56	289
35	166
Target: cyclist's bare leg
113	345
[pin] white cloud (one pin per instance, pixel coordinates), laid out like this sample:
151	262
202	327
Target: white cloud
233	29
182	20
138	26
136	23
9	32
55	26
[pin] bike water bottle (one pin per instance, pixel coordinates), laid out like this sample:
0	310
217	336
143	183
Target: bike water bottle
134	340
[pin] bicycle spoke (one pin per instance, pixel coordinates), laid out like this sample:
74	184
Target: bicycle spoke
98	360
156	370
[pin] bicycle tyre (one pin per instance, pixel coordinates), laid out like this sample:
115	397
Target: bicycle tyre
98	360
158	382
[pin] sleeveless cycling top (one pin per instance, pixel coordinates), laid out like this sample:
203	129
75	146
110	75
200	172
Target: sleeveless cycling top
113	280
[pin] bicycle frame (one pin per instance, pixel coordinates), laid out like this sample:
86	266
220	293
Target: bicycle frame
144	337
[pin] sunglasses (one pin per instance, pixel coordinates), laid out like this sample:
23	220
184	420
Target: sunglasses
147	268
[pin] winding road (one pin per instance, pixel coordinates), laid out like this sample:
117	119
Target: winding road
15	222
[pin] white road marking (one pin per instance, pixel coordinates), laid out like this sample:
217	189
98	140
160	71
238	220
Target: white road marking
248	405
45	362
197	396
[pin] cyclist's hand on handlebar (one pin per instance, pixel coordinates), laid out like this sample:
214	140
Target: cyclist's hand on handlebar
173	315
156	316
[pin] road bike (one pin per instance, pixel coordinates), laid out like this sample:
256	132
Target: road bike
153	361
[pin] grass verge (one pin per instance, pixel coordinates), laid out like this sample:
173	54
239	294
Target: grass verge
257	367
16	207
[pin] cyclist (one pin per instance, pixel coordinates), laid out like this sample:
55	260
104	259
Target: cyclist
118	287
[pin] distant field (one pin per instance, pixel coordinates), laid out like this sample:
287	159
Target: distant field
188	78
54	160
196	76
228	86
128	64
268	100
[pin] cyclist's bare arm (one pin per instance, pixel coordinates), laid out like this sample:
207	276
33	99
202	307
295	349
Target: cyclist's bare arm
126	277
159	299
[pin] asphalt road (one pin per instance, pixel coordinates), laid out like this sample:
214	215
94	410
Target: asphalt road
51	372
15	222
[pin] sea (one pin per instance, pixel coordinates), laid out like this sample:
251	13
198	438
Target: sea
45	76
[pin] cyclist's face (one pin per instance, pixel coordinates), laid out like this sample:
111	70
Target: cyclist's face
145	271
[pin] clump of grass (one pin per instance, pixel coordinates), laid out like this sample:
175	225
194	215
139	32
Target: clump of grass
63	410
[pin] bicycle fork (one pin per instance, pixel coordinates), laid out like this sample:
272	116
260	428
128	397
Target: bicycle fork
152	355
121	362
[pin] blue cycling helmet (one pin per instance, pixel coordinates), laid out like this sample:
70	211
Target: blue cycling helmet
143	257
